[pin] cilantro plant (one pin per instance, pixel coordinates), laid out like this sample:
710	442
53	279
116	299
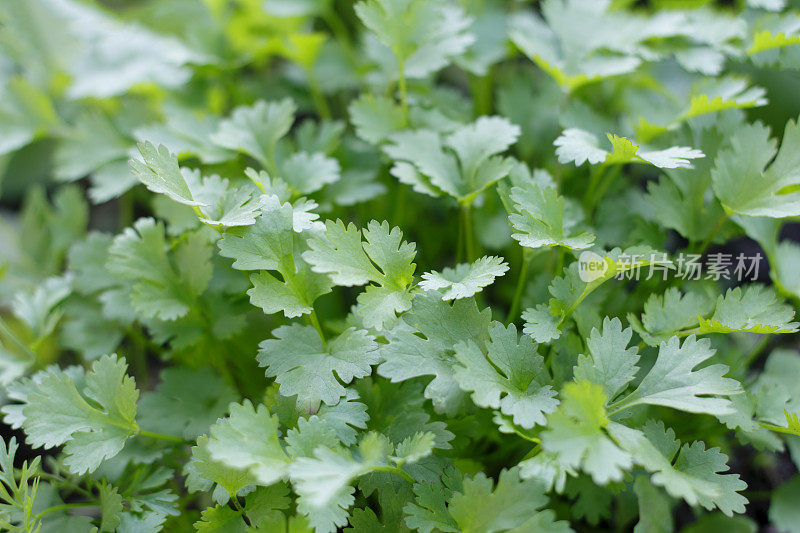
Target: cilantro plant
472	266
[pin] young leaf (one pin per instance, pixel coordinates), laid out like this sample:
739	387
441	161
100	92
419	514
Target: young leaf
159	171
539	220
610	363
576	434
464	280
408	354
578	146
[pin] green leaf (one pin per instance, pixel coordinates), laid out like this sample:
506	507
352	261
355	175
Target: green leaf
784	514
747	183
186	402
755	309
203	472
691	471
674	382
247	440
56	412
476	504
461	164
655	513
139	254
160	173
509	376
307	173
304	365
539	219
220	519
256	129
375	117
408	354
384	259
668	313
432	32
610	363
464	280
578	146
576	434
271	244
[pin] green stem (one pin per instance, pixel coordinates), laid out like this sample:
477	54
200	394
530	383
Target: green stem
399	204
340	32
758	349
315	322
401	67
394	470
64	507
594	181
161	436
10	335
523	275
469	237
320	103
481	87
713	232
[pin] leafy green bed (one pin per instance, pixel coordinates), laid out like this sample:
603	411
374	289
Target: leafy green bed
430	265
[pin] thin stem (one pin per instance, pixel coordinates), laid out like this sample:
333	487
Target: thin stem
594	181
394	470
401	67
469	236
161	436
64	507
10	335
399	205
460	245
757	351
320	103
315	322
236	504
481	87
523	275
713	232
340	32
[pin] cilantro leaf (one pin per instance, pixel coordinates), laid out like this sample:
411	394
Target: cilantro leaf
186	402
464	280
160	173
383	259
610	363
432	32
747	183
248	440
408	354
304	365
576	434
56	412
539	219
673	381
271	244
691	471
578	146
461	164
256	129
510	376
